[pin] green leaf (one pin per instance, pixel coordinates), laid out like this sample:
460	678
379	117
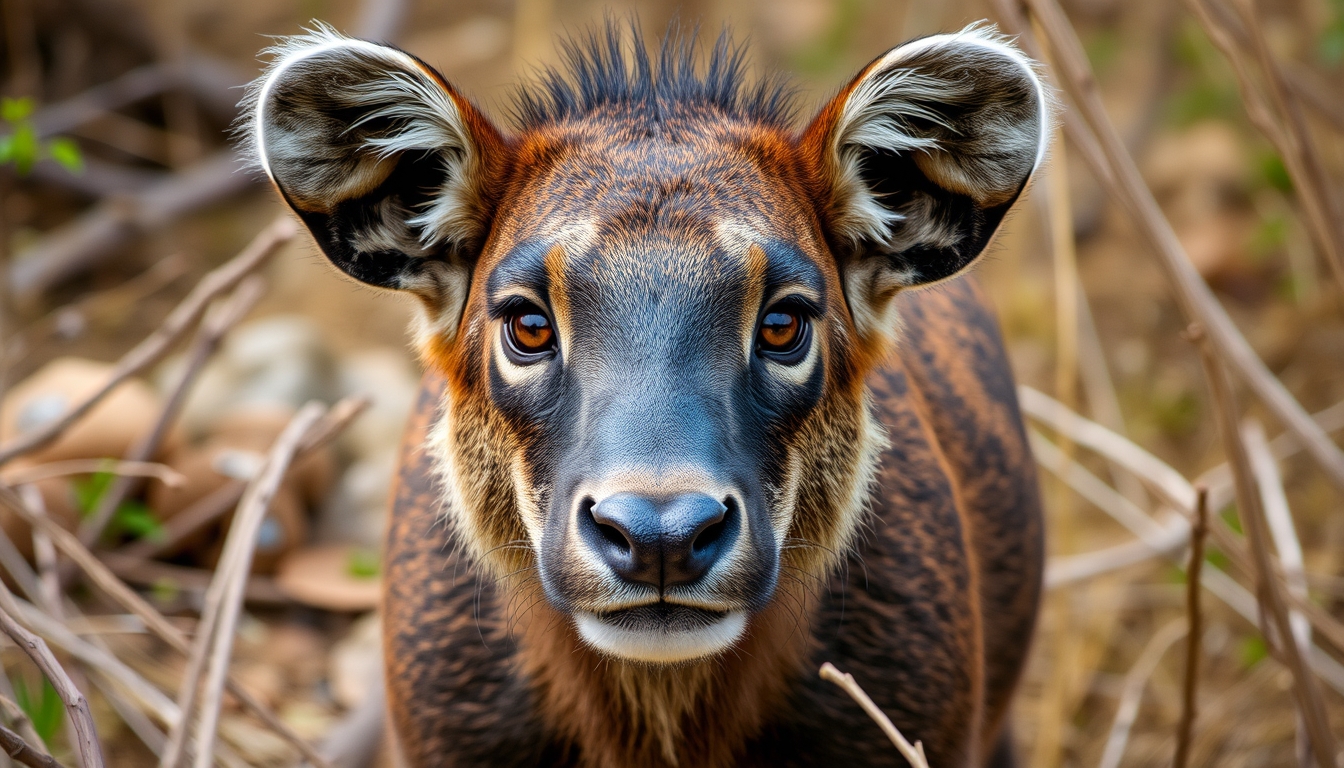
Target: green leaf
66	152
89	491
1252	651
42	706
1275	173
137	521
363	563
6	149
16	110
23	148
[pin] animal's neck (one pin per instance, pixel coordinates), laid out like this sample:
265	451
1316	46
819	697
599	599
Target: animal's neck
697	714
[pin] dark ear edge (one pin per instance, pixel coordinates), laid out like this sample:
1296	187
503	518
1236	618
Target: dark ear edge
380	158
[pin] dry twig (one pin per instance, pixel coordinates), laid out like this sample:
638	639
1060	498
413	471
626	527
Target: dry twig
1291	137
214	328
1195	621
161	472
85	735
214	506
913	753
1132	693
214	638
174	327
20	750
1250	510
105	580
1105	151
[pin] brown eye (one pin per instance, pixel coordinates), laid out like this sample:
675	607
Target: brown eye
529	334
780	332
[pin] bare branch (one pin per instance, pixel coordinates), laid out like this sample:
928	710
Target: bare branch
1249	508
1116	169
913	753
214	636
1195	621
86	735
226	497
1132	693
18	749
174	327
212	331
104	579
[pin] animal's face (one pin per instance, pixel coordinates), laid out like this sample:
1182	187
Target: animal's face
655	303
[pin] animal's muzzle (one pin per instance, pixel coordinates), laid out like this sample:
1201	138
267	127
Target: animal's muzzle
660	542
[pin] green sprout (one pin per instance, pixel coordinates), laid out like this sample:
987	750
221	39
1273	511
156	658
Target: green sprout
43	706
132	518
363	563
22	148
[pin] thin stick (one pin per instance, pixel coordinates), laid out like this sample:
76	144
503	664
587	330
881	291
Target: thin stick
1249	509
212	331
19	719
1286	544
1116	169
236	562
1195	618
913	753
44	555
174	327
154	621
101	661
1132	693
18	749
1291	140
85	736
226	497
225	589
1064	571
161	472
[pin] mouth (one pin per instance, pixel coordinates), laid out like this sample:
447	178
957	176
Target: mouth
661	633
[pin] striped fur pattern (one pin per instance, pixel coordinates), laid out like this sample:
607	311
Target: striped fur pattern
662	433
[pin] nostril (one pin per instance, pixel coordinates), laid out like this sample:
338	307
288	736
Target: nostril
709	537
610	533
614	536
711	533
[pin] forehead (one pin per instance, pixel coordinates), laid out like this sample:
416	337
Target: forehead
686	196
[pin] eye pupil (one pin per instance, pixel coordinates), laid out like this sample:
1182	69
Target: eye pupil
531	332
779	330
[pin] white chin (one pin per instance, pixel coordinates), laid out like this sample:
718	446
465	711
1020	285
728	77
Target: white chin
661	646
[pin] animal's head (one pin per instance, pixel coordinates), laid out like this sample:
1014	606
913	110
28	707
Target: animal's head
654	300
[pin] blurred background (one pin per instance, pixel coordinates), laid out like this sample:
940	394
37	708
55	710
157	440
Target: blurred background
119	190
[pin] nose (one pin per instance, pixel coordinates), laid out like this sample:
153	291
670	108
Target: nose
661	543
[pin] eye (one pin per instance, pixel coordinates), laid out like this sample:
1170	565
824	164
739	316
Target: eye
528	335
783	335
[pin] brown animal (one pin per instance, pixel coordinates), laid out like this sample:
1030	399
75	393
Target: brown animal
665	463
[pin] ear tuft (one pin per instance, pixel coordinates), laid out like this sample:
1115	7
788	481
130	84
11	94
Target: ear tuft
930	134
921	157
381	159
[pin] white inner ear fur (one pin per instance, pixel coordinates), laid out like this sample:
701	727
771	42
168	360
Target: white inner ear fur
875	113
427	119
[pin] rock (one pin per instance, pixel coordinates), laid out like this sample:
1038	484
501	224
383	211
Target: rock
356	661
321	576
277	362
107	431
390	380
356	511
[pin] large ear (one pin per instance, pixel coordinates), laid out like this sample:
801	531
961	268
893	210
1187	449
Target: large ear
921	156
383	161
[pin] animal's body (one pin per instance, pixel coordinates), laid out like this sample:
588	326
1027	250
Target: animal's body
665	461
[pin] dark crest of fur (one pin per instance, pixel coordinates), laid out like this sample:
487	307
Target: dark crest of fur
610	68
